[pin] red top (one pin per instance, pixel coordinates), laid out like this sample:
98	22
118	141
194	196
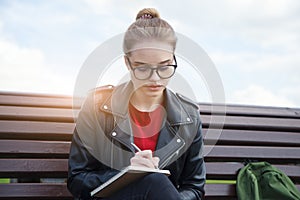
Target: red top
146	127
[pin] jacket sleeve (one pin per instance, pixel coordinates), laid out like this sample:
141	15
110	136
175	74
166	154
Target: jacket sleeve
85	171
194	173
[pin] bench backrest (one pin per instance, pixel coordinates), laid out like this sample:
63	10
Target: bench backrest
35	134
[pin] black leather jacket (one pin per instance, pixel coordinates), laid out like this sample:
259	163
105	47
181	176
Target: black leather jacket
101	142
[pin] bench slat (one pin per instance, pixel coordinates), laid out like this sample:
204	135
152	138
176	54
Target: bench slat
36	127
244	110
31	130
39	101
63	101
219	190
229	170
59	190
252	152
37	114
230	122
251	123
251	137
68	114
24	148
13	168
63	131
226	191
37	190
59	148
10	168
55	127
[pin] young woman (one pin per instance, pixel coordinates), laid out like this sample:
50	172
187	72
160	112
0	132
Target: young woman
165	126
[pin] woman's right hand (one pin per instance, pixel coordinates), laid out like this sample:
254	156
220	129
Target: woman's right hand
144	159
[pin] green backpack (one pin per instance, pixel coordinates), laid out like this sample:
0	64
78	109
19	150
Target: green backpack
262	181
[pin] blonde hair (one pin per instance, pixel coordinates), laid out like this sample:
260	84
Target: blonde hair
149	27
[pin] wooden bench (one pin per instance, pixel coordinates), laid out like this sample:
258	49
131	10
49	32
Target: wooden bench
35	134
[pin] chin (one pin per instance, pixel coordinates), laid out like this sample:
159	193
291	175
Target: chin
154	93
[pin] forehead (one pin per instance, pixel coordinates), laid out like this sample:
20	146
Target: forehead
150	55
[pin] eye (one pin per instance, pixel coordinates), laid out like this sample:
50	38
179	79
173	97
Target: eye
163	68
142	69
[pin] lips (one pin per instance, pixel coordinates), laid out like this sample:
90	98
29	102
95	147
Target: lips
154	87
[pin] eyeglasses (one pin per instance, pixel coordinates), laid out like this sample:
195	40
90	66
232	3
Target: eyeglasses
144	72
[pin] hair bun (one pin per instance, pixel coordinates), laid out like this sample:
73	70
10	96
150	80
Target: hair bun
147	13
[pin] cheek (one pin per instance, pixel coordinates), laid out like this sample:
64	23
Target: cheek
165	82
136	83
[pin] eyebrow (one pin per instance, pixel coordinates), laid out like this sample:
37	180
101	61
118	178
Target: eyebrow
142	63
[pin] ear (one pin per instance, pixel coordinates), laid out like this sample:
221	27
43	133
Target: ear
126	62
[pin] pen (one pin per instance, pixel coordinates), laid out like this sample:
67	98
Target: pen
136	147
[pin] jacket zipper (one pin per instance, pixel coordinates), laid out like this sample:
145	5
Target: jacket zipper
172	154
112	153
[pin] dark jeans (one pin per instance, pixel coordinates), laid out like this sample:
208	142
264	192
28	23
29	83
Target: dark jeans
151	187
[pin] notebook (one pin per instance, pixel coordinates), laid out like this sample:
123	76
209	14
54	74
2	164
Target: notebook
123	178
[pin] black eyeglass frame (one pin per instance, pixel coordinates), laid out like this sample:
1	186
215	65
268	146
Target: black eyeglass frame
154	68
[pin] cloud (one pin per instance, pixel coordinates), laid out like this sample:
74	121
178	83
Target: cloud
114	9
16	62
292	92
266	79
254	61
25	69
257	95
25	14
263	24
99	7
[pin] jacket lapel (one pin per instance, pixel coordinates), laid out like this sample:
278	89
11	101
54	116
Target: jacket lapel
117	102
122	133
168	144
176	113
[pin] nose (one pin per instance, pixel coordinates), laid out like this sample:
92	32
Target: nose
154	76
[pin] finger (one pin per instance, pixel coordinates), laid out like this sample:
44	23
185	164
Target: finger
139	161
145	154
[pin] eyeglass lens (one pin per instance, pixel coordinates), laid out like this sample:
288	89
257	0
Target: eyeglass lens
146	72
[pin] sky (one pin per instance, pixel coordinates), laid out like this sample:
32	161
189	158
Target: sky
253	44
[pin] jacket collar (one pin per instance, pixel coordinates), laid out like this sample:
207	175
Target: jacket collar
117	104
